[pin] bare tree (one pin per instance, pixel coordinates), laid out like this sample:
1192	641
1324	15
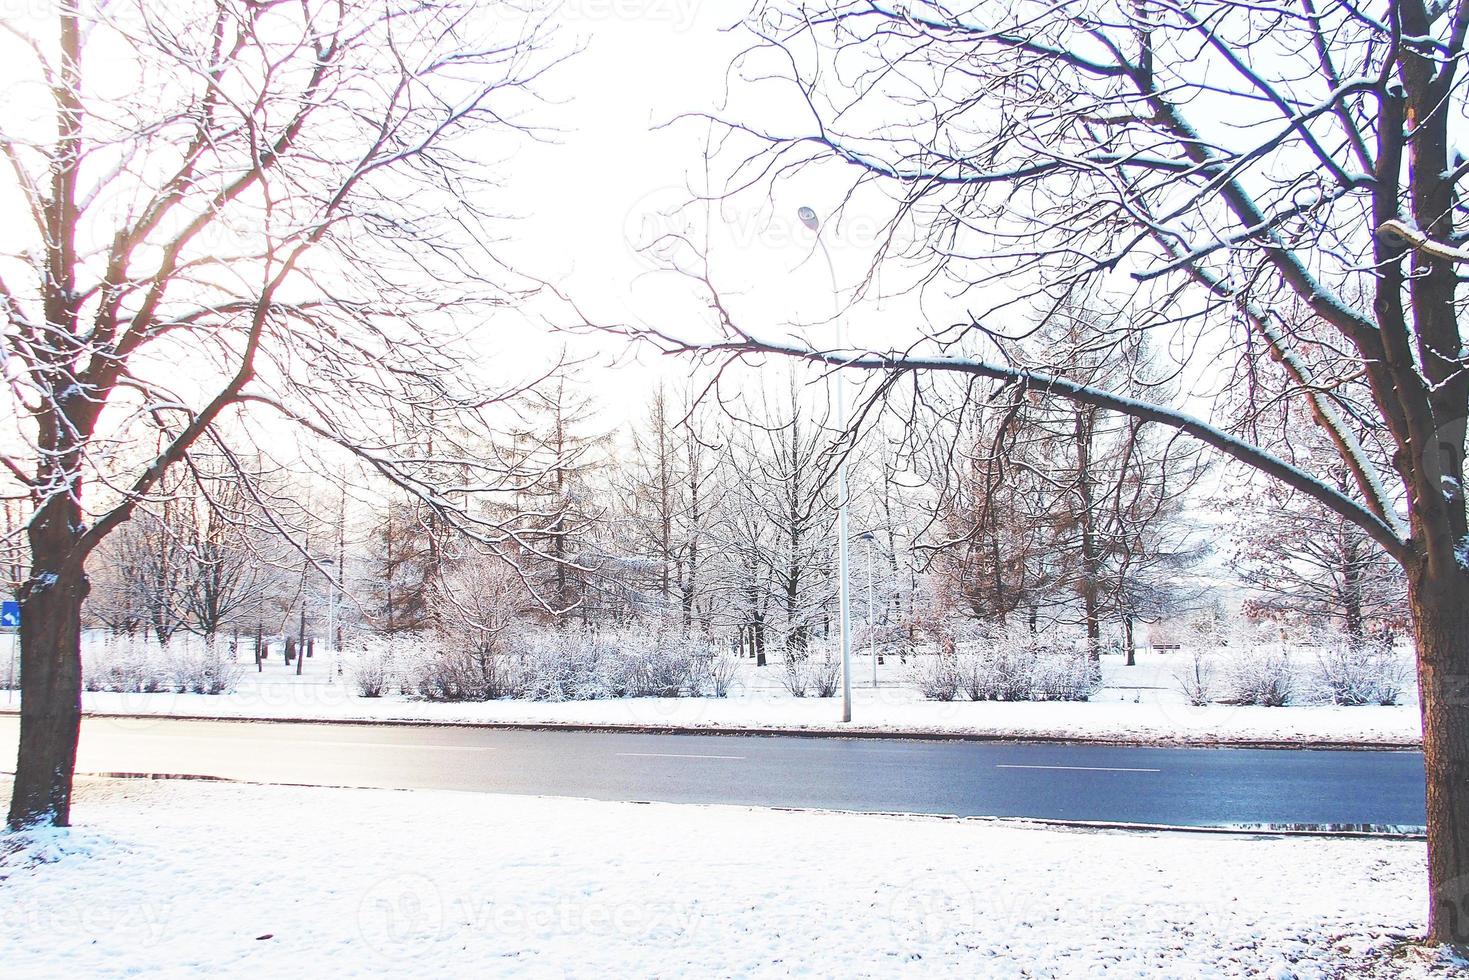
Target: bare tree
231	557
1000	548
149	573
407	561
779	478
274	212
1204	165
1302	560
667	491
560	443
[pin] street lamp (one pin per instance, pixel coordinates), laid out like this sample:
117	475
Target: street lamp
329	648
844	600
871	539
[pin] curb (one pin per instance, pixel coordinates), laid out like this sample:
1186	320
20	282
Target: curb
1030	738
1369	833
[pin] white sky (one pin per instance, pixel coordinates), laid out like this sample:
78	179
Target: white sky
590	200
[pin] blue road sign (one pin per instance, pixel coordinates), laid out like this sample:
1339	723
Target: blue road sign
9	614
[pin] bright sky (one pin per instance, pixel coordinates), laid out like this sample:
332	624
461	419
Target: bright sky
623	160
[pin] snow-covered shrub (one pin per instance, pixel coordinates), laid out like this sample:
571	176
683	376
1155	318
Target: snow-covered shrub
139	665
1023	668
995	675
640	664
1260	674
125	664
1364	674
714	671
1197	680
370	670
567	666
204	668
1063	675
795	679
825	673
813	670
466	675
573	665
937	676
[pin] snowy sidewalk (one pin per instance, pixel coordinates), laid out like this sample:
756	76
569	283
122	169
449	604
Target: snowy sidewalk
894	711
176	879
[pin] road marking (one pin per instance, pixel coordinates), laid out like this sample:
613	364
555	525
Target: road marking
402	745
676	755
1080	768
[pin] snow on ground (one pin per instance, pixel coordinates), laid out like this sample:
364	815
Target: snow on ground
183	878
1140	703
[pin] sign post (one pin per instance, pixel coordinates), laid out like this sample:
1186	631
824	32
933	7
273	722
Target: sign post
10	622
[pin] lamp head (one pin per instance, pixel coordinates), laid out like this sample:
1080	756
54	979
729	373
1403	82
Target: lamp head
808	218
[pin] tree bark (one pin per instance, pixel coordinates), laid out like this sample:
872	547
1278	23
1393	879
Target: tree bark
50	683
1351	597
1090	561
1441	628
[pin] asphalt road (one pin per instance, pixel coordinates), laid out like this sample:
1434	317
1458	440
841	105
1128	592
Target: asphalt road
1177	786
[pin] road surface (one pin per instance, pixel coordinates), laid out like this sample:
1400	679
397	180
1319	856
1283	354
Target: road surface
1177	786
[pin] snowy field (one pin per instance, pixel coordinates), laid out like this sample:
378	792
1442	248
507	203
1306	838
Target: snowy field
1142	703
183	878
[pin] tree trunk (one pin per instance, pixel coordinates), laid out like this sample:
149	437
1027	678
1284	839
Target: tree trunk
1352	597
1441	628
1129	645
1090	560
51	691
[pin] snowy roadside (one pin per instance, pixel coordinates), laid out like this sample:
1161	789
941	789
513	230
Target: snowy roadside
178	879
880	713
1137	704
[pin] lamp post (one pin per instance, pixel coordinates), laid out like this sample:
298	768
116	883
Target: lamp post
329	647
844	599
870	538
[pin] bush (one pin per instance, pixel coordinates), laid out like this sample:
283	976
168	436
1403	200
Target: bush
10	664
1063	676
714	671
204	669
825	673
1023	668
1261	675
466	675
1196	682
123	665
370	670
815	670
794	678
643	665
937	676
579	665
994	676
567	666
137	665
553	665
1357	675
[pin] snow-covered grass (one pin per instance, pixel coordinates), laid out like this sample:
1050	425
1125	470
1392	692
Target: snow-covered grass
182	879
